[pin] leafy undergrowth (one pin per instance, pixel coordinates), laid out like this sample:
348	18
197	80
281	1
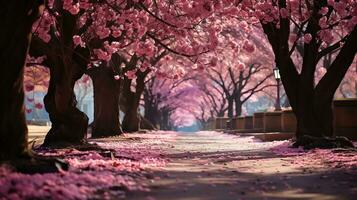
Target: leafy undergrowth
332	158
92	174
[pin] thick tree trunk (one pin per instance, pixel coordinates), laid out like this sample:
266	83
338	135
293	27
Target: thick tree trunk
131	121
67	64
106	102
69	124
314	117
16	20
238	107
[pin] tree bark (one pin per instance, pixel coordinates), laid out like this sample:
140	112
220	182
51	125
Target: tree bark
238	106
230	107
69	124
221	114
131	121
151	114
146	124
16	19
106	102
165	115
151	109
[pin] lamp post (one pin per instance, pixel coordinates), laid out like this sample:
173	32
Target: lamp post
277	78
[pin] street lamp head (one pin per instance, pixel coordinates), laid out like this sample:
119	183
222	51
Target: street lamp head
277	73
277	78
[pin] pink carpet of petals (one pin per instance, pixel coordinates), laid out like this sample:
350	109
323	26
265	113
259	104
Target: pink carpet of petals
92	175
333	158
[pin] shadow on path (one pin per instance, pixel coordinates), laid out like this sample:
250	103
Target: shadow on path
228	167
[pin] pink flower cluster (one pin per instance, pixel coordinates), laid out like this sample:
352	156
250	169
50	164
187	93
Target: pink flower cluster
72	7
131	74
77	40
42	26
248	47
146	48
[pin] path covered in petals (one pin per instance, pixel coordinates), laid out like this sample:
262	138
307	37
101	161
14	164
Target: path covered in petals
114	168
212	165
204	165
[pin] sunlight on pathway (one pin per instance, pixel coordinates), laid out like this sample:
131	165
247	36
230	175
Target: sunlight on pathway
212	165
207	165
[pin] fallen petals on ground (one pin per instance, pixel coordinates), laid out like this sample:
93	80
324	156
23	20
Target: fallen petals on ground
334	158
92	175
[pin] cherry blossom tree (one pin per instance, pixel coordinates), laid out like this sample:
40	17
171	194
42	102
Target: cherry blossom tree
91	32
316	22
106	91
133	88
164	94
67	63
241	71
212	98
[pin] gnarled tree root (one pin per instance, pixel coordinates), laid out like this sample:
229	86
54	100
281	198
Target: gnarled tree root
311	142
34	164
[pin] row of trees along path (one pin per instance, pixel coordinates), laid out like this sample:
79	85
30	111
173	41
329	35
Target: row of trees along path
117	42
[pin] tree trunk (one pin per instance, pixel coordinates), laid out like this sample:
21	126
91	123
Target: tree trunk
150	109
314	117
221	114
17	17
69	124
238	107
146	124
151	115
67	64
311	104
230	107
131	121
106	102
165	120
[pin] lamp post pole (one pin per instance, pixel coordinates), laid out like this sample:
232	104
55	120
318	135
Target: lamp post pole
277	78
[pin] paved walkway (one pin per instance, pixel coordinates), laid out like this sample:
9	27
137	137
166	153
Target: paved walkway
37	133
218	166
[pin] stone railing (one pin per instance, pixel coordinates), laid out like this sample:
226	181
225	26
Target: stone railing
221	123
345	118
344	111
258	121
288	121
272	121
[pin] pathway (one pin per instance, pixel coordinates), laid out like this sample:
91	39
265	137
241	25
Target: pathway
210	165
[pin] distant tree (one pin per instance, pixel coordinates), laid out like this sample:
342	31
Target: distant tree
241	71
36	80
